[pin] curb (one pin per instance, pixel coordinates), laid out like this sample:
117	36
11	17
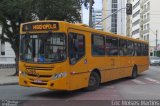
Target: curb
12	83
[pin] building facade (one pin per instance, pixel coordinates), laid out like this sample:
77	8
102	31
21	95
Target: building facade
96	18
7	55
136	18
117	22
151	24
145	23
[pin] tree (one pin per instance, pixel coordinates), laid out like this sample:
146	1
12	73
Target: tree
67	10
12	14
15	12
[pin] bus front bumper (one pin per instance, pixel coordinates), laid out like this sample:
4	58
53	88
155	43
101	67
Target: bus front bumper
58	84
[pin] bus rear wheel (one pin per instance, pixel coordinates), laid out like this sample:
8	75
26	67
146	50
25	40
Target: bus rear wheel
134	73
94	81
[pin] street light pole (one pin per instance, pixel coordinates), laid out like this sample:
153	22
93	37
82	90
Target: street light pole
156	41
90	13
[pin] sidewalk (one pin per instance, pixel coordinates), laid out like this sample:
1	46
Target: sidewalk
6	77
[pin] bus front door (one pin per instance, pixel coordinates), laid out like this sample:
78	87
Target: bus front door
77	60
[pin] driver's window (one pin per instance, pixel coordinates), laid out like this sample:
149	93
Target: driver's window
76	47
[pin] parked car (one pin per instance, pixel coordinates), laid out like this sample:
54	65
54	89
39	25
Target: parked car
154	60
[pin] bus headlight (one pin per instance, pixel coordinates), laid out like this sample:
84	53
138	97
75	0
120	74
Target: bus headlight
59	75
22	73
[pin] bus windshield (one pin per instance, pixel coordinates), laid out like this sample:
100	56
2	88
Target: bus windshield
43	48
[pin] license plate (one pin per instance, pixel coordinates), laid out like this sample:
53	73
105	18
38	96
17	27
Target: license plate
37	81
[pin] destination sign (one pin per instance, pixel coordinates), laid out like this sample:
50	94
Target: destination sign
40	26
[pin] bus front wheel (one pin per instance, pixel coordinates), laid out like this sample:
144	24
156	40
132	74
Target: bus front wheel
94	81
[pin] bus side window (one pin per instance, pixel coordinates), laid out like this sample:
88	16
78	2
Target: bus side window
76	47
135	49
146	50
139	49
143	49
111	46
130	46
123	47
98	45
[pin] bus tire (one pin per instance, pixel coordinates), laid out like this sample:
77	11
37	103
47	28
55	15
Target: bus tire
134	72
94	81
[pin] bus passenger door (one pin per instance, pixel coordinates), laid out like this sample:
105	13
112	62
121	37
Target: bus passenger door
77	60
112	56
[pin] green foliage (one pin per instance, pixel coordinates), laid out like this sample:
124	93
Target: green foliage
14	12
67	10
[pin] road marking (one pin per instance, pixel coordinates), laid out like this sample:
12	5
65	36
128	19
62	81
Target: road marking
152	80
138	81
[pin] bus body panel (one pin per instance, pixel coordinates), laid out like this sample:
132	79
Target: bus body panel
110	67
45	71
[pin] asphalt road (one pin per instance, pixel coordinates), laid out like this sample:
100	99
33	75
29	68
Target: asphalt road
145	87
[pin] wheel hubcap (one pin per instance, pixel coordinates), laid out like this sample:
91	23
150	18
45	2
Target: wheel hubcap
92	81
134	74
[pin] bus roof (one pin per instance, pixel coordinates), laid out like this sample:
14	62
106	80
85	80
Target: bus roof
87	28
84	27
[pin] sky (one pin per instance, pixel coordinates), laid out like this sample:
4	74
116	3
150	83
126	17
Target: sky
97	5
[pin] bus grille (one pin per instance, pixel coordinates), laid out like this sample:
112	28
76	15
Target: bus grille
41	76
38	83
39	68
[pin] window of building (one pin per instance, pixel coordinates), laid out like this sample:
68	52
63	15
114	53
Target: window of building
114	5
137	4
144	37
114	1
148	26
144	27
136	13
98	45
148	4
147	37
136	22
76	47
148	16
145	6
111	46
144	17
135	32
2	48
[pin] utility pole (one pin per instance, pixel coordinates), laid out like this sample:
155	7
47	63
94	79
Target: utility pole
156	42
90	13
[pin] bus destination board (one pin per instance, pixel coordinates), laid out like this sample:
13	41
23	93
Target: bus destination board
40	26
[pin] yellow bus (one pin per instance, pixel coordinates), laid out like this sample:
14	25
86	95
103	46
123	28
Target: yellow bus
58	55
